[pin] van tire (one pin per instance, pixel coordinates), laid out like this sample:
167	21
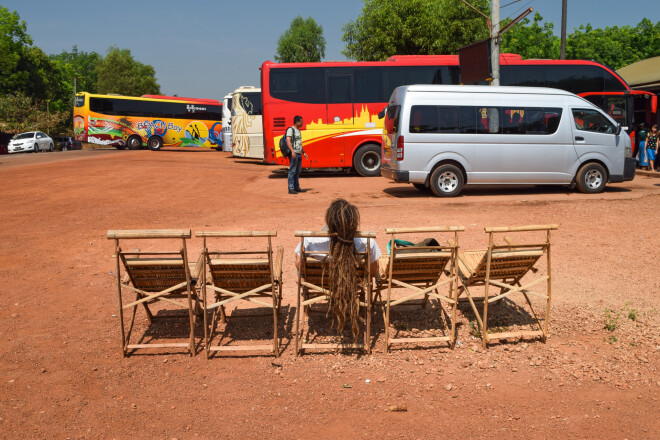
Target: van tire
447	181
134	143
591	178
367	160
155	143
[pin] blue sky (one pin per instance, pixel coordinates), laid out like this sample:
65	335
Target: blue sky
206	48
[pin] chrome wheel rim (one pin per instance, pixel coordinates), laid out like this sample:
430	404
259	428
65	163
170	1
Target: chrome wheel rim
447	182
371	161
593	179
153	143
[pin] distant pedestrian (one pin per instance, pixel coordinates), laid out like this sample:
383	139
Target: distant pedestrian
652	146
641	148
294	141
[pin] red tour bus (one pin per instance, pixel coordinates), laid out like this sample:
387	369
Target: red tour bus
340	101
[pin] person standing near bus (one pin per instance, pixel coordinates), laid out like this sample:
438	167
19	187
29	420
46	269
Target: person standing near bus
294	141
652	146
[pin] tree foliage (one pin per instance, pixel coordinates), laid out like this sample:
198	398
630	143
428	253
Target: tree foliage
413	27
120	73
19	113
35	85
303	42
613	46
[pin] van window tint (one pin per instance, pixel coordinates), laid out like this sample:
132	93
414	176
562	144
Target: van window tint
424	119
392	119
448	119
592	120
483	120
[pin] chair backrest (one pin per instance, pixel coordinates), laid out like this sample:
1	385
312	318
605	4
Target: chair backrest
421	264
509	261
314	266
239	271
154	271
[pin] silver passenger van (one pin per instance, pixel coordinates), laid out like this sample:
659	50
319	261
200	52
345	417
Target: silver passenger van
444	137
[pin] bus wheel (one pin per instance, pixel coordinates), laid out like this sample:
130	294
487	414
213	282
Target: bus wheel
447	181
591	178
367	160
155	143
134	143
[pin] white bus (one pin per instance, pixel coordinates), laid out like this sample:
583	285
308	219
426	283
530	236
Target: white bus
226	123
246	123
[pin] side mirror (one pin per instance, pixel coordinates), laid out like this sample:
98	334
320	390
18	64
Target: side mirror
381	114
617	130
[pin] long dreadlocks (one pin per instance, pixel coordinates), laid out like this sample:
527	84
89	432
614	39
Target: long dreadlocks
343	219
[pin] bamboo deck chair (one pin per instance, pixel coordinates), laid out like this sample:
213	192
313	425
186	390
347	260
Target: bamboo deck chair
418	270
165	276
251	276
503	267
313	285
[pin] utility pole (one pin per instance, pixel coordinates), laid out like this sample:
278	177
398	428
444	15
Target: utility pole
494	42
564	6
75	87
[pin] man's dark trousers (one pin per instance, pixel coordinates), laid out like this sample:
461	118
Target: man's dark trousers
295	165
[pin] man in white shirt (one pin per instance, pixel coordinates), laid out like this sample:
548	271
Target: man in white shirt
294	141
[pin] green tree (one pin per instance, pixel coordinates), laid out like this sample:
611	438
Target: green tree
531	39
413	27
80	64
19	112
120	73
14	41
303	42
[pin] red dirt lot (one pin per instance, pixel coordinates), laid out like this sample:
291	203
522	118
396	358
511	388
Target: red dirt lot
62	374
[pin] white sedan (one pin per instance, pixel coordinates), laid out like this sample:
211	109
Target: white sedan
33	141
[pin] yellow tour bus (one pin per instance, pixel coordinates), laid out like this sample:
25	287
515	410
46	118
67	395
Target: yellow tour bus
157	122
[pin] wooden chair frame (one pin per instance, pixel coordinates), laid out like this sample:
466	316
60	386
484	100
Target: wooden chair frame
167	292
403	274
503	267
252	292
310	293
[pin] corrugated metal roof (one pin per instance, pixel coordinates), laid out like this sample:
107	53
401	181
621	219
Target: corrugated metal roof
645	73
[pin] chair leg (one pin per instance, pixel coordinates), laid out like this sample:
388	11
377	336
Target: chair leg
275	312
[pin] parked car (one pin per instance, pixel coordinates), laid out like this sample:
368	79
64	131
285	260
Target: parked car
64	143
33	141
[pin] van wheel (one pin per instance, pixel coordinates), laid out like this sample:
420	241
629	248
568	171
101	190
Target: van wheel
134	143
591	178
155	143
447	181
367	160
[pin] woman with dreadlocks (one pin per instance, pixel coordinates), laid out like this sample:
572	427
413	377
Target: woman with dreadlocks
342	220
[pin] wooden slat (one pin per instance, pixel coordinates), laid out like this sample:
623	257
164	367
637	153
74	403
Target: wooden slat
407	255
241	348
236	234
239	261
420	339
358	234
521	228
519	334
148	233
424	229
170	345
330	346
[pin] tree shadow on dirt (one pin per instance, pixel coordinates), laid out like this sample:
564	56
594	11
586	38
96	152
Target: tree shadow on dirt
251	326
409	191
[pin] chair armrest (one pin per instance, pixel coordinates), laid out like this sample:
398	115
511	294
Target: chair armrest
277	263
197	270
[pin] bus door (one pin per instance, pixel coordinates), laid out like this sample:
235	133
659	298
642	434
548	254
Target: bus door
339	117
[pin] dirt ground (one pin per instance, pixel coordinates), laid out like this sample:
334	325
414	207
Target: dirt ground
62	374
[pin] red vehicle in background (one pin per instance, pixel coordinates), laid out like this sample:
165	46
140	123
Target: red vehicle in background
340	101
